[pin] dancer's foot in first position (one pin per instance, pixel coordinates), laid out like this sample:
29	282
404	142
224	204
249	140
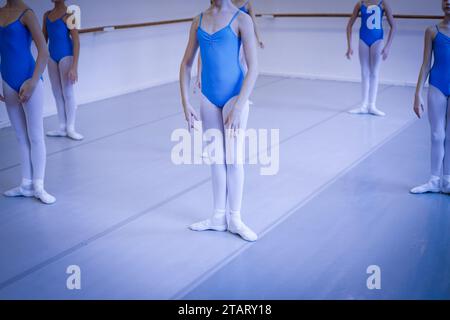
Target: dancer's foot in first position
236	226
216	223
432	186
24	190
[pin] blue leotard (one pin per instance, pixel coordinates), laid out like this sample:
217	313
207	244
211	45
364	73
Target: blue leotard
440	73
17	62
60	42
244	8
371	23
222	75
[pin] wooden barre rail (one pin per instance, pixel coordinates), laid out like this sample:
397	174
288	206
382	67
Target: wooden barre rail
136	25
344	15
274	15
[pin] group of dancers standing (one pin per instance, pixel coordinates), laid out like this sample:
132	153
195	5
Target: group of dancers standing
23	88
228	38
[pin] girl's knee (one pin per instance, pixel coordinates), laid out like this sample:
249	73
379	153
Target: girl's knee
69	96
438	136
37	139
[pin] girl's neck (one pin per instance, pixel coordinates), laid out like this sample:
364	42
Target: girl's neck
60	5
13	3
223	4
446	20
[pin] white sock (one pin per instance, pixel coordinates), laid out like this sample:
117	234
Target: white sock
24	190
433	185
41	194
216	223
363	109
72	134
375	111
235	225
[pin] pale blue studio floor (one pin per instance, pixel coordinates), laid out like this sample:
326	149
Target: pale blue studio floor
339	203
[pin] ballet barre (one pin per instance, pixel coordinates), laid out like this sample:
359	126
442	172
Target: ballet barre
260	15
135	25
342	15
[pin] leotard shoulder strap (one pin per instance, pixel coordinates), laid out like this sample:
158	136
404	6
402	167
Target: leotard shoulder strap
234	17
23	13
200	21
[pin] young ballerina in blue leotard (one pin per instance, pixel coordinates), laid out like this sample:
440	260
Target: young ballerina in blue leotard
437	48
371	49
64	47
219	32
23	94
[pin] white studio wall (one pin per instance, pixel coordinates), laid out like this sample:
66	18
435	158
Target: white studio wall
122	61
315	49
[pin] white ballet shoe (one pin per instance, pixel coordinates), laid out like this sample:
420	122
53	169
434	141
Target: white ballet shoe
217	222
242	230
432	186
44	197
57	133
376	112
72	134
236	226
206	225
359	110
19	192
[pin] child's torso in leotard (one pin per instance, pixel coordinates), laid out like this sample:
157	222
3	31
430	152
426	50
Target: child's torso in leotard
440	72
222	75
371	23
17	62
60	42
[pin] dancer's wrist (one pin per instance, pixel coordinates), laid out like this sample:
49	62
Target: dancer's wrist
34	81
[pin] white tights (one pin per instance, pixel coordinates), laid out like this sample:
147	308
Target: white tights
227	176
439	117
27	121
370	60
64	95
227	179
